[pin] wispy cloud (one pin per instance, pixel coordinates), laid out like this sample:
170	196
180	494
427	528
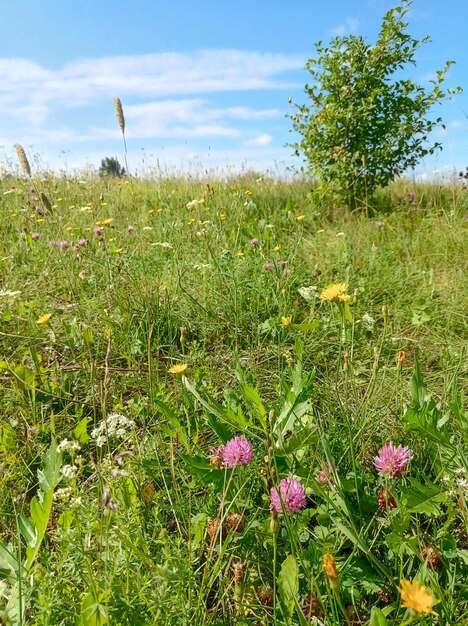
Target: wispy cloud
30	91
350	26
175	97
263	139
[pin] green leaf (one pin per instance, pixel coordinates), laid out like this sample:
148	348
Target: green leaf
377	618
288	585
80	431
28	531
421	498
306	326
93	611
49	476
199	467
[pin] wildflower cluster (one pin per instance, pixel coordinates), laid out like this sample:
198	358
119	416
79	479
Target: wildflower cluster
115	426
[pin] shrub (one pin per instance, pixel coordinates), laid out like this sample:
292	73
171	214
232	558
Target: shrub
364	123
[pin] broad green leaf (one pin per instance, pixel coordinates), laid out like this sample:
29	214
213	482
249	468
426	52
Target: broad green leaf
28	531
377	618
93	611
79	432
288	585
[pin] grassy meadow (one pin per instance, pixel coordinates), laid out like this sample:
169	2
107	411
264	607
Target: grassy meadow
144	324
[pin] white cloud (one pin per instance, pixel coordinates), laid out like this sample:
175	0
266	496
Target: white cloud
263	139
349	27
165	97
30	91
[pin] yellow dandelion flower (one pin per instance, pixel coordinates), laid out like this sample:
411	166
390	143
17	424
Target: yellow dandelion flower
222	216
286	321
335	292
416	597
151	211
179	368
117	250
44	318
108	220
300	218
248	192
240	253
277	248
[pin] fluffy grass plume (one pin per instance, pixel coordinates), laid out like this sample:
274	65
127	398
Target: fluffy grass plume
23	159
119	114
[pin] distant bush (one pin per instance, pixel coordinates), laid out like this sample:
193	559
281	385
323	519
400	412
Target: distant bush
111	167
363	126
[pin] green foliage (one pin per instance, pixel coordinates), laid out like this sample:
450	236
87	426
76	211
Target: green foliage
365	123
111	168
137	532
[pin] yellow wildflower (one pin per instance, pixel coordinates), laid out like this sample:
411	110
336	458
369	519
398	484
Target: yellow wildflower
329	565
416	597
300	218
44	318
277	248
179	368
240	253
286	321
335	292
320	231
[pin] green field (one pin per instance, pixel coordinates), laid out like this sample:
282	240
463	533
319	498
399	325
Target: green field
115	504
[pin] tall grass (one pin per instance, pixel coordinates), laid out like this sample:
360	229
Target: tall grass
140	529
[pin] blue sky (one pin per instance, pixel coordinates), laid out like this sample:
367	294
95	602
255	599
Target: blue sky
204	84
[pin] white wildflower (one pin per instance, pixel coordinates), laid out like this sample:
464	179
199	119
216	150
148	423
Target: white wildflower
308	293
115	426
68	446
65	493
69	471
368	322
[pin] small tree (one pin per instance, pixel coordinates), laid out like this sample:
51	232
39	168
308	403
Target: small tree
363	126
110	166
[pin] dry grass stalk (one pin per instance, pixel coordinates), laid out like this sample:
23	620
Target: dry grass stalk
23	159
119	114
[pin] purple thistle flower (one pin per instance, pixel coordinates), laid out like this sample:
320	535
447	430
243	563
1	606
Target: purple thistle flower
64	244
254	242
82	242
391	461
267	266
282	263
291	495
34	235
97	230
286	271
237	451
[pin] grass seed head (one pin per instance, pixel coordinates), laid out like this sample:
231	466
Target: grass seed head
119	114
23	159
